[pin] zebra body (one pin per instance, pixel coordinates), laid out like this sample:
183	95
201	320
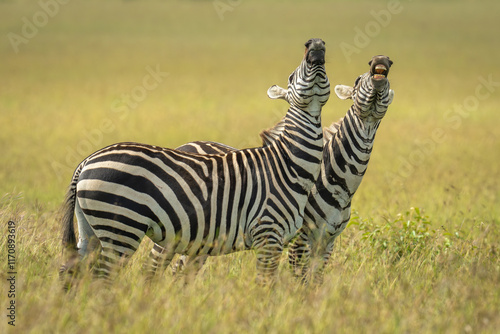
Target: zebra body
202	205
346	153
347	148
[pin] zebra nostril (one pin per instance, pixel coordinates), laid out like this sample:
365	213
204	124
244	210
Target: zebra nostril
316	57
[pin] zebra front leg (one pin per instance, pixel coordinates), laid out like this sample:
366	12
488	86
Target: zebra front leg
320	262
269	247
299	257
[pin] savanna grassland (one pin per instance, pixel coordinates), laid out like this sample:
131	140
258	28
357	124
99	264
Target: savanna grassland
421	254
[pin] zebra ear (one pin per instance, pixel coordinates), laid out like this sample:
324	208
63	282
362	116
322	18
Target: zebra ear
344	92
276	92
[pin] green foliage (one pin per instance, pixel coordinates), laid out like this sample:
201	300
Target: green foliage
408	234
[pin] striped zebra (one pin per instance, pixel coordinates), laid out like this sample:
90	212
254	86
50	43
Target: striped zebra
201	205
347	148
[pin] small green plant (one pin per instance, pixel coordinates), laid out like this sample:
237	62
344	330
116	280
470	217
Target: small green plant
408	233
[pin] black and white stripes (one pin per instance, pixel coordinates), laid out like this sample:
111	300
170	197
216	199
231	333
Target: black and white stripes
195	204
347	148
346	153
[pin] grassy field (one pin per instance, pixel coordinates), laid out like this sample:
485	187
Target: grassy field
421	254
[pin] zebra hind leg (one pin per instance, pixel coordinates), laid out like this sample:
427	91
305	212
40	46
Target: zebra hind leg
180	264
192	267
70	269
109	260
192	264
159	259
76	263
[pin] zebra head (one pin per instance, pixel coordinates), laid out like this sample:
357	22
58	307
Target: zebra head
371	93
308	86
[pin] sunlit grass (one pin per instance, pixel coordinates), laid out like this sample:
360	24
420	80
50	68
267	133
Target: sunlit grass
435	276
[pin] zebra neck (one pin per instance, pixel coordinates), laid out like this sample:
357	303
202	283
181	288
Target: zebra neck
346	156
301	145
366	127
303	127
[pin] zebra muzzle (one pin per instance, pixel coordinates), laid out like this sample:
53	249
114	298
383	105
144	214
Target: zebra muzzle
380	72
316	57
315	51
379	67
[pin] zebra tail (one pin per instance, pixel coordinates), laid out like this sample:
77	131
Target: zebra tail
69	237
68	211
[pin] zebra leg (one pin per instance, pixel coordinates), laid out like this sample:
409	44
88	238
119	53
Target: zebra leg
116	249
319	265
159	259
191	267
299	257
180	264
70	269
190	264
268	246
110	259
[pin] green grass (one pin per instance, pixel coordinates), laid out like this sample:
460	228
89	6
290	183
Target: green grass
434	269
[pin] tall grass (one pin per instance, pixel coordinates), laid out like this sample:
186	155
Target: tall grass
382	278
421	252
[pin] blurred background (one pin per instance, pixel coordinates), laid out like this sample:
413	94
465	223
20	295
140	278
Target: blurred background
79	75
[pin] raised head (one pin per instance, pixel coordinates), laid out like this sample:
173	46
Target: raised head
308	86
371	93
379	70
315	51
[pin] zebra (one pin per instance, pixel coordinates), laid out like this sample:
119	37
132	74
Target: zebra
347	148
348	145
201	205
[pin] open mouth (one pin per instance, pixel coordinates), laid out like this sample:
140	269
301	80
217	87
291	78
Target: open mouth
379	68
380	72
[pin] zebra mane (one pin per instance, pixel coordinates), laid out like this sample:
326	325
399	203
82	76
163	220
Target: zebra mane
271	134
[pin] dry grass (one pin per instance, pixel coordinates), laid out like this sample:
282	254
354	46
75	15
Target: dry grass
442	282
